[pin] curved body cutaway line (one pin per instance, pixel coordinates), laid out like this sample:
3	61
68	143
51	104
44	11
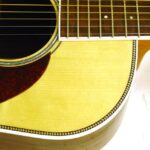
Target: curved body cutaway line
83	87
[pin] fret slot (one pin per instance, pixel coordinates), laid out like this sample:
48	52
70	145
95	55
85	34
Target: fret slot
138	21
78	18
72	25
72	18
100	19
119	25
94	24
94	27
68	23
144	3
144	16
132	24
89	24
106	18
83	19
119	19
125	18
63	22
112	17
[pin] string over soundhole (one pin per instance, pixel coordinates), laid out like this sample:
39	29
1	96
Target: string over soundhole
27	30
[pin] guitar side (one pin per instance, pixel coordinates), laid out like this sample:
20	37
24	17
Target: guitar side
143	47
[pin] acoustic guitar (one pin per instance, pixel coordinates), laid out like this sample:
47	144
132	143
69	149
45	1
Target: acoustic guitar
67	66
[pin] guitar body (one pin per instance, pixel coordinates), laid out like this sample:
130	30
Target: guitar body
84	85
67	84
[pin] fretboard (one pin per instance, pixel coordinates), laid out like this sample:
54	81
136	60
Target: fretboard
104	19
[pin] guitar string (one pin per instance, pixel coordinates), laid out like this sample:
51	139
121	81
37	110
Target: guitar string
71	5
45	5
75	26
117	0
104	26
63	12
114	0
114	5
75	12
109	33
71	19
86	12
81	12
82	34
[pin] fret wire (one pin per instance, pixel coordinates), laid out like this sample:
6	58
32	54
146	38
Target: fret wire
89	30
125	17
78	18
68	18
138	19
100	19
112	17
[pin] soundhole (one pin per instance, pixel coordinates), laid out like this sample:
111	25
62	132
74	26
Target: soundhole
25	27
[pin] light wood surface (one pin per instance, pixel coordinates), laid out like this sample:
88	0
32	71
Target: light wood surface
83	82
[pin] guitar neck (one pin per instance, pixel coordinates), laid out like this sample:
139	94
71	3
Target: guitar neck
104	18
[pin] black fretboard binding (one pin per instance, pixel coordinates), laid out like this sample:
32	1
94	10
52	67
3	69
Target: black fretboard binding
104	18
